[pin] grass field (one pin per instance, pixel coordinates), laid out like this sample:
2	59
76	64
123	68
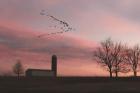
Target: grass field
69	85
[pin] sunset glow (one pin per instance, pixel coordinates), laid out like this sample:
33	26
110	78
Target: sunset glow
93	21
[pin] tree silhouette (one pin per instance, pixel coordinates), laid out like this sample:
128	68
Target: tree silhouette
103	55
18	68
119	55
112	56
133	55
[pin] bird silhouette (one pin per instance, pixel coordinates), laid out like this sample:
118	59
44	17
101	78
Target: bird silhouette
64	26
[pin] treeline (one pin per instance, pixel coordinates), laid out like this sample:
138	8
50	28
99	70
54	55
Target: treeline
117	57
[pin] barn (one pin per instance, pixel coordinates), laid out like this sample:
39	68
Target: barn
39	72
44	72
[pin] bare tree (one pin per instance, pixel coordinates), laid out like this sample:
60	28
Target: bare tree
118	55
133	55
112	55
18	68
103	55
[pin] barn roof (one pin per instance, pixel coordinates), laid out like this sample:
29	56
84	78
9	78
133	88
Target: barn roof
39	70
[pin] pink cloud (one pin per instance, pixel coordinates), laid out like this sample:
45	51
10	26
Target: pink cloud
36	52
117	24
21	23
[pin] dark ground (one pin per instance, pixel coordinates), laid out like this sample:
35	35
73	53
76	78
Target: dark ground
69	85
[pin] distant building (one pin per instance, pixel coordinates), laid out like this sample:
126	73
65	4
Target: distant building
39	72
43	72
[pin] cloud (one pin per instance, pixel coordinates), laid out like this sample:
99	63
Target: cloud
62	46
128	9
35	52
94	20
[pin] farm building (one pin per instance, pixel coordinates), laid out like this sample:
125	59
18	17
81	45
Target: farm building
39	72
44	72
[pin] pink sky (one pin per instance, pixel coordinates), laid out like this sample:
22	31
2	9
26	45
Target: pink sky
94	20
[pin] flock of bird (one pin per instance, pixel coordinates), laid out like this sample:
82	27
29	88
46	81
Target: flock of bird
65	27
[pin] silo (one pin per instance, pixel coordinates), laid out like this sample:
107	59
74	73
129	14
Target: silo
54	64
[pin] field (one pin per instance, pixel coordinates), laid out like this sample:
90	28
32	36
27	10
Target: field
69	85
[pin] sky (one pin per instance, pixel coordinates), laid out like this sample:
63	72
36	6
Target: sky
93	21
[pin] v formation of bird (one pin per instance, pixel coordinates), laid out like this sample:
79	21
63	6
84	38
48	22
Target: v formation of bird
65	27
